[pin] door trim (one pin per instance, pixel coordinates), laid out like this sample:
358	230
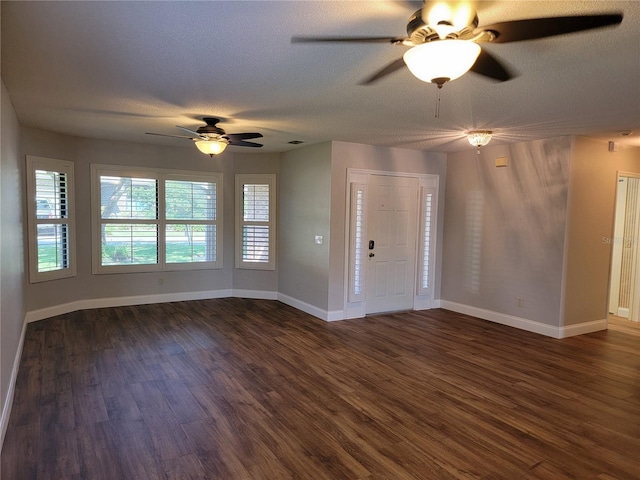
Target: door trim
355	305
634	300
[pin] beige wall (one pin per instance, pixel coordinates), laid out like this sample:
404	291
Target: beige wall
592	194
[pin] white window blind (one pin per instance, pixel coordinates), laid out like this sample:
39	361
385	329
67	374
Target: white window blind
51	214
426	240
255	208
191	224
357	247
128	220
153	220
426	273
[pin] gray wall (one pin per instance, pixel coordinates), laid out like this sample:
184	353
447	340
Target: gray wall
12	262
504	228
85	286
305	211
350	155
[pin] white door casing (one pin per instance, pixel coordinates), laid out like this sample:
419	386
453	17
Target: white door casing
385	282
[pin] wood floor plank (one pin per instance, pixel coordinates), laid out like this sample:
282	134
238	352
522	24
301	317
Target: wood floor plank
98	452
253	389
58	453
187	467
89	405
181	401
20	452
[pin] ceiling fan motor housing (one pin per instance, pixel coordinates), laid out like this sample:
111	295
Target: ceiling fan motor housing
421	31
210	128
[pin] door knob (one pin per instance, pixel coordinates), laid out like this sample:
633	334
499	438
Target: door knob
371	254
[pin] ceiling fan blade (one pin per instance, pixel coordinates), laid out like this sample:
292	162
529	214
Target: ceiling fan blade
413	5
194	133
242	143
175	136
383	72
489	66
234	137
530	29
393	40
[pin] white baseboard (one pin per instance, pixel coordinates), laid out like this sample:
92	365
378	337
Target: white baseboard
525	324
8	401
329	316
582	328
503	319
326	315
256	294
41	314
48	312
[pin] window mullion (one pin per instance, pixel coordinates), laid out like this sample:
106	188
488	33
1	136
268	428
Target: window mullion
161	214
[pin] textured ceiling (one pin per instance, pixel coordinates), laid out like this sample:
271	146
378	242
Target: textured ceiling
116	70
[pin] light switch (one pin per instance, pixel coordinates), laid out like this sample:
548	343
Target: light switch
319	239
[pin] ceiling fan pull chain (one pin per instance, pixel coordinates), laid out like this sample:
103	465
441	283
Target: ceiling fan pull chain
438	102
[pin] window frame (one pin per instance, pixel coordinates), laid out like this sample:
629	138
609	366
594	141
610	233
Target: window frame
60	166
243	179
160	176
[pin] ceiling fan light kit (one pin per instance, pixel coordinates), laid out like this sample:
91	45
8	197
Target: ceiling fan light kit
444	37
441	61
214	146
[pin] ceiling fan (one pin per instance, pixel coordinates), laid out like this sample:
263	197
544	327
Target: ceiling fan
213	140
444	38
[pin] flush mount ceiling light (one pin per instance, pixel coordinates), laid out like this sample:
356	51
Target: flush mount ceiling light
440	61
479	138
212	146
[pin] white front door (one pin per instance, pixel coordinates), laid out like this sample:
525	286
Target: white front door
391	255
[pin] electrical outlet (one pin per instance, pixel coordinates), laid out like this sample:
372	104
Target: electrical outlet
520	302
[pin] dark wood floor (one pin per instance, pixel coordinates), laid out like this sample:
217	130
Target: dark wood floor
246	389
